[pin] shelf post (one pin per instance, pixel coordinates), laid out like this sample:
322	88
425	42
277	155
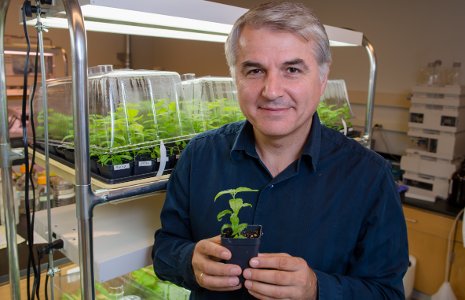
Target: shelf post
81	142
5	164
366	138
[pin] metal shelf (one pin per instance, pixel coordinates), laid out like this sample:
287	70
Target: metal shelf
123	234
68	174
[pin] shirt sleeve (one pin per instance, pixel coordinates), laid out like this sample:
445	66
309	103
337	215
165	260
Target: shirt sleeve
380	258
174	246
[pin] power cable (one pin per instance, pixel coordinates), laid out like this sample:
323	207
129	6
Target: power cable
27	10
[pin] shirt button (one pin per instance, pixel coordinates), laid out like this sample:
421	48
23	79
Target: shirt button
272	186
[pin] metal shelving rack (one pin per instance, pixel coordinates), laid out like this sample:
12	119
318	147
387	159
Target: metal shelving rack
86	200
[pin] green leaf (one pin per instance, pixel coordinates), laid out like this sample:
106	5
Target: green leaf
233	192
225	226
237	203
223	213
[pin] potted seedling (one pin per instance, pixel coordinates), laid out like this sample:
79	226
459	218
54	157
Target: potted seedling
174	150
115	165
143	161
242	239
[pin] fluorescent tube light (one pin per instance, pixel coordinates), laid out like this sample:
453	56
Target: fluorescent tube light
54	22
179	19
340	37
152	19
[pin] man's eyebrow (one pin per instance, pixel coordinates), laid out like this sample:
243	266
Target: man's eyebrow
293	62
250	64
297	61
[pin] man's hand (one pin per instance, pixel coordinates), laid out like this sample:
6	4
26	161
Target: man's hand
280	276
209	271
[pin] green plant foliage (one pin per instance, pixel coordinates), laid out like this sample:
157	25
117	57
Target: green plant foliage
235	205
147	279
136	128
143	283
222	111
114	158
59	125
331	115
206	115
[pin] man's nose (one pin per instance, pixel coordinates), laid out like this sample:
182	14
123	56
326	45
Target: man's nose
273	86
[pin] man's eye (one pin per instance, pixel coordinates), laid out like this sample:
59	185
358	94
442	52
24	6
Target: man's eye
293	70
254	71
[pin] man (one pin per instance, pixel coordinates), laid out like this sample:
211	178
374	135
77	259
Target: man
332	220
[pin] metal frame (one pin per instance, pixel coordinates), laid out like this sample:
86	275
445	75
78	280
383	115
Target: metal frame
367	136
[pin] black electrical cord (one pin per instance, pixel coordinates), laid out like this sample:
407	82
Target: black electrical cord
46	283
28	178
36	285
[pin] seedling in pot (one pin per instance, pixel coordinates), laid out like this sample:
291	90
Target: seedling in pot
235	228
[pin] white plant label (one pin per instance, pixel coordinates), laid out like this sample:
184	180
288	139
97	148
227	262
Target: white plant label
121	167
145	163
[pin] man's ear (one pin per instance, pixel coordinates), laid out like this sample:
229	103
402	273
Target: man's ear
324	81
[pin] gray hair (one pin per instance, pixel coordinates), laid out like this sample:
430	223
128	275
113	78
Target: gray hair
292	17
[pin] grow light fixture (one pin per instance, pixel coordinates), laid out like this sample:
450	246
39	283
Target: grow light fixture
180	19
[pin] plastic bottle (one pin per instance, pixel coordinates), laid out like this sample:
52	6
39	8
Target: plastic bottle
63	192
455	73
42	192
457	191
19	190
428	74
423	75
435	76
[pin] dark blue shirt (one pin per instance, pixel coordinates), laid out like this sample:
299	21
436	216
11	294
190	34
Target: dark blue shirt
337	207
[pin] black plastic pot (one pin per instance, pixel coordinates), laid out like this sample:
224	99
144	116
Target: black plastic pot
61	151
69	154
116	171
171	162
52	150
94	166
143	166
244	249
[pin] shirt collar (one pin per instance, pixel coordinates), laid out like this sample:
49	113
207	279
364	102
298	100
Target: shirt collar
245	143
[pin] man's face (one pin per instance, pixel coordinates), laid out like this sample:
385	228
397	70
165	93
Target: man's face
278	82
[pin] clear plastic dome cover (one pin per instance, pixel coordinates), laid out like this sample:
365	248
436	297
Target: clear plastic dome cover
211	102
128	109
136	117
334	109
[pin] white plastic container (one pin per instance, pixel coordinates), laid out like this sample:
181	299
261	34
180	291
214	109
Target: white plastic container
409	277
439	144
426	187
428	165
437	117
